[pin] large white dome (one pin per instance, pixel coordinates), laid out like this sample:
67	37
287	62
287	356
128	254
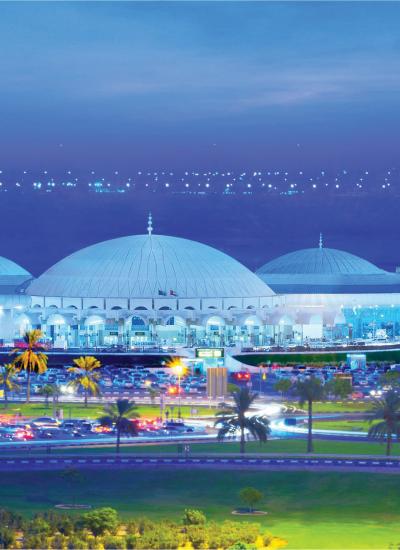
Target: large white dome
142	266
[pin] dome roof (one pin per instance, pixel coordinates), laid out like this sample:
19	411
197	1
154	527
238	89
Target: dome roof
326	261
326	270
12	276
147	266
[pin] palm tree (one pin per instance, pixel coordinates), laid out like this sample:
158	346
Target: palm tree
30	357
86	376
47	391
233	418
387	410
53	391
120	415
7	380
309	390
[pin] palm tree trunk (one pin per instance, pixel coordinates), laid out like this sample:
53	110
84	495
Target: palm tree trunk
388	443
5	396
86	397
28	386
242	441
309	437
118	439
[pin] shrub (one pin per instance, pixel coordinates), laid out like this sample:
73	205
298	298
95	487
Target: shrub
159	537
197	535
101	521
7	537
131	541
193	517
111	542
77	543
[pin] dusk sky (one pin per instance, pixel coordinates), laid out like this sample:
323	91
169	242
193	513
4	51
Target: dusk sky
199	84
186	85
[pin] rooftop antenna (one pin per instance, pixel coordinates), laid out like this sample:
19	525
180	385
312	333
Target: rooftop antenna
320	240
150	225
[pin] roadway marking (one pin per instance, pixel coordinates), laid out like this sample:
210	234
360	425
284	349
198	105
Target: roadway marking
294	461
111	460
39	461
24	461
67	461
95	460
210	460
328	461
124	459
82	460
10	461
53	461
138	460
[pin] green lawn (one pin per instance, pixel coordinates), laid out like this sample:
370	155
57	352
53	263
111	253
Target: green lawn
292	446
335	406
350	425
311	510
78	410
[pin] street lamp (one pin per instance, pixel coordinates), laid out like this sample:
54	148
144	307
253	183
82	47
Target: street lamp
179	370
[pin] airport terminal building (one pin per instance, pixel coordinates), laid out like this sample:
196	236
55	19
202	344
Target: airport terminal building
156	290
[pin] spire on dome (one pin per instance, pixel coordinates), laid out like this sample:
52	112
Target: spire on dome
320	240
150	224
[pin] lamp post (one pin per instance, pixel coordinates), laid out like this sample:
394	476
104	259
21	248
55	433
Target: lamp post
178	370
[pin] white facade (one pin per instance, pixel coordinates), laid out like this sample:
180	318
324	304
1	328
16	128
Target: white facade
158	290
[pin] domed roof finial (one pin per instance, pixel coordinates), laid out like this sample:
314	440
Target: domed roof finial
150	224
320	240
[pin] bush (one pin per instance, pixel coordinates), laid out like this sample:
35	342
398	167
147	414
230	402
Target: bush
39	526
193	517
145	524
7	537
111	542
101	521
131	541
77	543
58	542
159	537
35	542
197	535
10	519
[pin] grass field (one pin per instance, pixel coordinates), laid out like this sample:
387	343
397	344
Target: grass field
94	410
291	446
349	425
336	406
310	510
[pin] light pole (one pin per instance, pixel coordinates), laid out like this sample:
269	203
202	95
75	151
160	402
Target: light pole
178	370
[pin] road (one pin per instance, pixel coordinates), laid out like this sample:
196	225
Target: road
280	463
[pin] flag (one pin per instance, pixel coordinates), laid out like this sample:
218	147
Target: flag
162	292
173	293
